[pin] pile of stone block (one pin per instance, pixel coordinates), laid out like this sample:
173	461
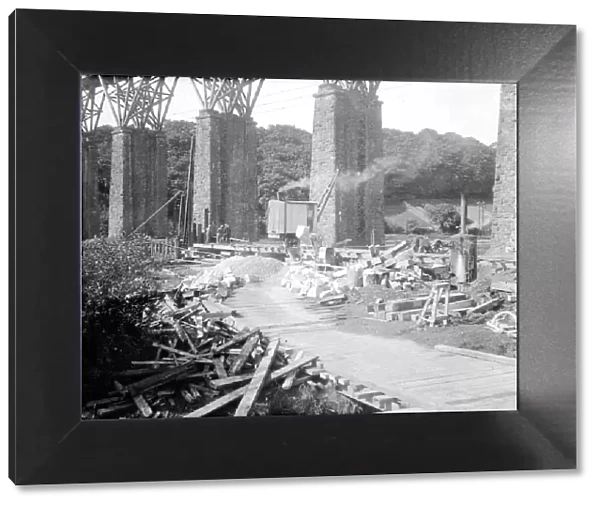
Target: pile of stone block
307	281
409	309
397	268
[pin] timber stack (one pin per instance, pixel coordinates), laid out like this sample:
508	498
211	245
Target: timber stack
202	365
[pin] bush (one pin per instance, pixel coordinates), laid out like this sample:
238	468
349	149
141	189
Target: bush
445	216
117	287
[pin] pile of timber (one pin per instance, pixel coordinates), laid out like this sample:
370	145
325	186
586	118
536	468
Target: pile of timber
203	364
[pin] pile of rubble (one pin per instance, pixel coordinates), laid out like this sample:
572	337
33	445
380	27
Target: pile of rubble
411	271
203	365
401	267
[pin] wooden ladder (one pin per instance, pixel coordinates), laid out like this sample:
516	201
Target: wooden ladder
432	303
326	194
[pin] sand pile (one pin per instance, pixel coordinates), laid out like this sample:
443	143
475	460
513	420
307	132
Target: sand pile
256	267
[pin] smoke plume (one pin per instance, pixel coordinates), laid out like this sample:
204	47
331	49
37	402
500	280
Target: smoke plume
381	166
301	183
348	181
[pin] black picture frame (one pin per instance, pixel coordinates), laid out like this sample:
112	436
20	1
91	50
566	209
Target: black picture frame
49	443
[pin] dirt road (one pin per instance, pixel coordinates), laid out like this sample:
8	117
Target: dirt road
422	377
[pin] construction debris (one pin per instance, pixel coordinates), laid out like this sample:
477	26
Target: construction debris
411	273
504	322
201	366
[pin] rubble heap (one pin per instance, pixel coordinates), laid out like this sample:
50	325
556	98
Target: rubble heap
411	272
400	267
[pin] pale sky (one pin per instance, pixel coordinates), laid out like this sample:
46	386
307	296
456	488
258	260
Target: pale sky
468	109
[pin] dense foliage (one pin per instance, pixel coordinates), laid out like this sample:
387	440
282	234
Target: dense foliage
445	216
446	165
283	156
117	286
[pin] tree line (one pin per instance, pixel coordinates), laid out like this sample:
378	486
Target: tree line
441	165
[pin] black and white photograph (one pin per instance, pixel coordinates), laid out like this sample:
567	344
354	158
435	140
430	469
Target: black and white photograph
265	247
224	226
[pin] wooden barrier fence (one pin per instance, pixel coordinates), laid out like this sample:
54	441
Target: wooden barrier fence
165	249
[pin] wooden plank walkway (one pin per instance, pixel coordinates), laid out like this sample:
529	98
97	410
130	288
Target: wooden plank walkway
423	377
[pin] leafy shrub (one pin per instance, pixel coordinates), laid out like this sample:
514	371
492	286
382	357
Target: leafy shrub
445	216
117	287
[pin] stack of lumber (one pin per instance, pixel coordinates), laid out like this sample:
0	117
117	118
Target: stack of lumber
203	364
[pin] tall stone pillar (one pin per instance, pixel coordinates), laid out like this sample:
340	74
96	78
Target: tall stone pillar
142	178
239	162
326	158
251	186
374	186
232	174
504	218
207	169
90	224
120	214
161	221
352	164
347	136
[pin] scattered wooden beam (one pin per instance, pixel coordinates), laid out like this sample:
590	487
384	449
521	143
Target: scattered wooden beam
174	350
334	299
231	380
236	340
160	378
258	380
103	402
289	380
186	311
143	406
241	359
220	368
183	336
504	286
485	306
217	404
284	371
115	408
236	394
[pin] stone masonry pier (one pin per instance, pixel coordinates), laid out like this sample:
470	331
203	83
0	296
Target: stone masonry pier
225	179
504	221
347	136
138	184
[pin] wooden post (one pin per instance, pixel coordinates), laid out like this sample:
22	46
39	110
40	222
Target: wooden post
188	219
463	213
180	215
